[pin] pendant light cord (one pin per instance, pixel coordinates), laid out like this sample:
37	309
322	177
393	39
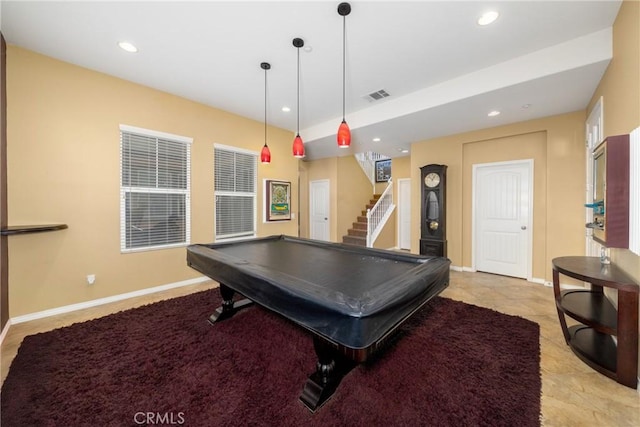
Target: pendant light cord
265	106
298	106
344	44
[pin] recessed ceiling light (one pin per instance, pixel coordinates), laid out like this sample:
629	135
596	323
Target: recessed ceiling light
286	109
493	113
488	17
404	150
525	106
376	139
128	47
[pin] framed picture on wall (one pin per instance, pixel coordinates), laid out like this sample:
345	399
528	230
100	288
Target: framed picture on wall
383	170
278	199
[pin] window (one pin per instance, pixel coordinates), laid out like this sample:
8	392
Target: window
235	178
154	189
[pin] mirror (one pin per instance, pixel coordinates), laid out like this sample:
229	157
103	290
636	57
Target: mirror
599	173
432	206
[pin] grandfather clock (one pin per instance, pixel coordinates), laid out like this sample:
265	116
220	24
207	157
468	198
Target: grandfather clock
433	236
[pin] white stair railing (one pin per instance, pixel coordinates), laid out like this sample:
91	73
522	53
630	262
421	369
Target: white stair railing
367	162
378	215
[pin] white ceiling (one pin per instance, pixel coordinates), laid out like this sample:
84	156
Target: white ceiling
443	72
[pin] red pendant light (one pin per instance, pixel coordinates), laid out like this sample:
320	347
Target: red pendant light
265	154
298	145
344	133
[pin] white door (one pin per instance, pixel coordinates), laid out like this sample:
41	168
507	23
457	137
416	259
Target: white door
404	213
319	210
503	210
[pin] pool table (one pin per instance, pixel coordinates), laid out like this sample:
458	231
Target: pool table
348	297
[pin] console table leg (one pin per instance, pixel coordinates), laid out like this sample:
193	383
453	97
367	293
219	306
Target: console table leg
627	356
563	321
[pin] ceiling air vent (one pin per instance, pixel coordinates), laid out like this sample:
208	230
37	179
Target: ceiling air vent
377	95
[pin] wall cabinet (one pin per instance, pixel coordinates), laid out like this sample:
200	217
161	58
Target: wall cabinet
592	340
611	192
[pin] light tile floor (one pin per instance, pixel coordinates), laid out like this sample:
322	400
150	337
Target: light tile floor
572	393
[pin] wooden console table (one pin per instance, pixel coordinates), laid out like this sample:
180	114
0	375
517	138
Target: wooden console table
592	340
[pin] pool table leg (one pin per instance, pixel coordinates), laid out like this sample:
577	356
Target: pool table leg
330	369
228	307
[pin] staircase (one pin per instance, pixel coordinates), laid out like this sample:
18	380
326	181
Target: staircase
367	162
358	234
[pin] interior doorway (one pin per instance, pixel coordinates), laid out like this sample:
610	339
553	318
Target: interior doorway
404	213
319	208
503	218
594	135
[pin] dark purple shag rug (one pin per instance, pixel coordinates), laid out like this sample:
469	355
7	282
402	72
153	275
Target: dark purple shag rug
454	364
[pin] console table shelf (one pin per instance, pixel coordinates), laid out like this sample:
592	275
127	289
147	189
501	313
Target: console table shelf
590	308
597	348
593	339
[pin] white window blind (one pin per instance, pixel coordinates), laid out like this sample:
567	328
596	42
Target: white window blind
235	182
155	189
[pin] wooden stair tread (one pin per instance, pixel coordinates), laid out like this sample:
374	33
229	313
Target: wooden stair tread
358	234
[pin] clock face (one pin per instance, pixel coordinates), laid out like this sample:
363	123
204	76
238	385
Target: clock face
432	180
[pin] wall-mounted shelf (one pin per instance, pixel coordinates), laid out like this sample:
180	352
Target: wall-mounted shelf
611	192
28	229
593	339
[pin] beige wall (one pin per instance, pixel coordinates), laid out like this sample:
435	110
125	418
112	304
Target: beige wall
325	169
303	201
516	147
63	167
620	92
557	146
388	238
350	193
354	193
401	168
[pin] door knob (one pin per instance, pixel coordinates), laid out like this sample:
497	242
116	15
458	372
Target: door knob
524	227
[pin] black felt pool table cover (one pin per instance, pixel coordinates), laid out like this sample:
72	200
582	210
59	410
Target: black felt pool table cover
311	281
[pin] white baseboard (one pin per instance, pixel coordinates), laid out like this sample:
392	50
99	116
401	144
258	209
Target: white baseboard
564	286
5	330
102	301
473	270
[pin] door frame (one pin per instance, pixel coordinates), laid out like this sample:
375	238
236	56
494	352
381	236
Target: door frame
328	182
594	135
474	226
404	204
